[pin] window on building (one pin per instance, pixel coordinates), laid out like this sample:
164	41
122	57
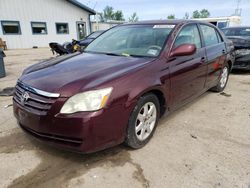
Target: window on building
62	28
11	27
210	35
39	27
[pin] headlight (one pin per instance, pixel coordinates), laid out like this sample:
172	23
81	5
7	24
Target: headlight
86	101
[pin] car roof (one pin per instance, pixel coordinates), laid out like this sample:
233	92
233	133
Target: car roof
170	21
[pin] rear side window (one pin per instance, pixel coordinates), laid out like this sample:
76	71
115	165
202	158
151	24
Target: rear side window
188	35
210	35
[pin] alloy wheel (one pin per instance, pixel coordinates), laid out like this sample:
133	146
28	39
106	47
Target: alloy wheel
224	76
146	120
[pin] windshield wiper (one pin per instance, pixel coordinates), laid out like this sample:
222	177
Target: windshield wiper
113	54
106	53
131	55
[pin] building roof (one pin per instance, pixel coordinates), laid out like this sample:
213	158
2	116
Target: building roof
82	6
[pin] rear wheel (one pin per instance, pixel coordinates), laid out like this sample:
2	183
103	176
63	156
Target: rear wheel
223	79
143	121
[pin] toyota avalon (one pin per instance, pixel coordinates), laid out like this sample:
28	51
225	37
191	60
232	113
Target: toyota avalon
125	80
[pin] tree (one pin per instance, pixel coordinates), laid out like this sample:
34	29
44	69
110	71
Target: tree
133	18
204	13
196	14
171	16
118	15
101	16
108	13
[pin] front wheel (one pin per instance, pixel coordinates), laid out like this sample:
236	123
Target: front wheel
143	121
223	79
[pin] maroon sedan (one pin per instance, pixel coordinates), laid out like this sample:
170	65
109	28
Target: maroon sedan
119	87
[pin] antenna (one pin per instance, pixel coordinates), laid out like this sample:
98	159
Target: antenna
94	5
238	10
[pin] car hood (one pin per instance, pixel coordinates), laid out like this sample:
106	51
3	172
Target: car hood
70	74
240	42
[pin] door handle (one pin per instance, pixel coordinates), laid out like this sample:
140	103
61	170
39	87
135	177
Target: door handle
203	59
223	51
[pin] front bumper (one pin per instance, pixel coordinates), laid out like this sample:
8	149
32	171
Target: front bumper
242	60
81	132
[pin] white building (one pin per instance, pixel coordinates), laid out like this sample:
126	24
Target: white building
29	23
221	22
105	25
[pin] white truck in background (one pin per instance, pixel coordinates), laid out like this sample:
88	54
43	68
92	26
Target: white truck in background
222	22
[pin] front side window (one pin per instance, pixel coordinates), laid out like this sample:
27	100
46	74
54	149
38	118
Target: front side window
62	28
132	40
39	27
188	35
210	35
11	27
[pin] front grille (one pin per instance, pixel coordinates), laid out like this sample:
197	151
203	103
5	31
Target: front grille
32	102
52	137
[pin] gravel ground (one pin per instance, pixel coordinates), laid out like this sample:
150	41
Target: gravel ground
204	144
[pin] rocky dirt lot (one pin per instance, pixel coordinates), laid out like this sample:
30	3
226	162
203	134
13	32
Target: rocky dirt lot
204	144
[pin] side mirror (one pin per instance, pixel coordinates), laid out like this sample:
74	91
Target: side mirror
184	49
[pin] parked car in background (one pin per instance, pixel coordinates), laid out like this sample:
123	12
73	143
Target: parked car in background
85	42
123	82
75	45
241	39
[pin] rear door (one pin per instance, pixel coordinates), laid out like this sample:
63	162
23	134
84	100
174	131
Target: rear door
215	51
188	73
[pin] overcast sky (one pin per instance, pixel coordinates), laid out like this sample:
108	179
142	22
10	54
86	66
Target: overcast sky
157	9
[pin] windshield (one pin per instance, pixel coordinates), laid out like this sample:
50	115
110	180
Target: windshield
237	32
95	34
132	40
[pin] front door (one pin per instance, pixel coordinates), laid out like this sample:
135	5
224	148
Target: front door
188	73
81	30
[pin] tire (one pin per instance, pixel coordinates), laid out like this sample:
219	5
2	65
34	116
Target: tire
142	122
222	83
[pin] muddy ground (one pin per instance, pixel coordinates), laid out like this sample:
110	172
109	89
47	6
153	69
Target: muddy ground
204	144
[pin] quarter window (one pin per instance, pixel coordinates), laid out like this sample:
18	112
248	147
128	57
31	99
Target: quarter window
188	35
62	28
210	35
39	27
11	27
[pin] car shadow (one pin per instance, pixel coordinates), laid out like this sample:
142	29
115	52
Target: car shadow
241	72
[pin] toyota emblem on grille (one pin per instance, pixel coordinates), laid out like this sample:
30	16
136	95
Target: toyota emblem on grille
25	97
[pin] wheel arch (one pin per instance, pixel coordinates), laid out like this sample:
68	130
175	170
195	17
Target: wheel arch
230	64
160	96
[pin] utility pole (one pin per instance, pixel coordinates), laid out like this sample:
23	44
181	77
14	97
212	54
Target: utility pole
238	10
